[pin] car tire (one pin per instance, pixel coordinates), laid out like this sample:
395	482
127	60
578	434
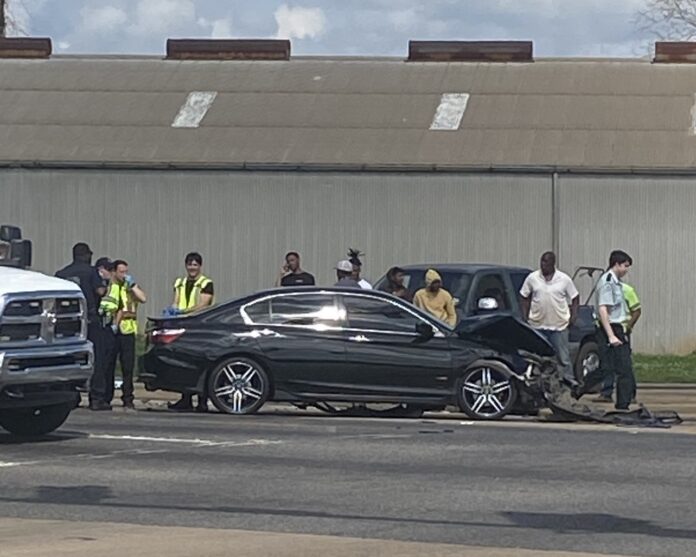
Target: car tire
238	386
32	422
586	360
486	391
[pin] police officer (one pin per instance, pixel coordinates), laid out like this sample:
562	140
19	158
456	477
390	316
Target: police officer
129	296
81	272
614	348
192	293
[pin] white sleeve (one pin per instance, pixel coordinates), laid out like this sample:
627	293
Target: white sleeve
571	291
526	290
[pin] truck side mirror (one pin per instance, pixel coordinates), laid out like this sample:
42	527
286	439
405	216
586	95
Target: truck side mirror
487	304
10	233
21	250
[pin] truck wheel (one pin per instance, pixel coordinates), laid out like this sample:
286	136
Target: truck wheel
587	359
29	422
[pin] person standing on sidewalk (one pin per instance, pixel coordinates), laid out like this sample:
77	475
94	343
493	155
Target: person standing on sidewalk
130	296
614	349
344	275
354	258
436	300
291	274
634	311
101	389
192	293
550	305
81	272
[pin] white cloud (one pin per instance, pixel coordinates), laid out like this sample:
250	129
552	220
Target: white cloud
154	17
222	29
405	20
299	23
63	45
103	19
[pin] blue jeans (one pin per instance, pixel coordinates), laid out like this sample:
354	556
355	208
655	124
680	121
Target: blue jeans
560	343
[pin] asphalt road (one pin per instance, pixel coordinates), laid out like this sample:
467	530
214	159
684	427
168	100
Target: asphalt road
603	490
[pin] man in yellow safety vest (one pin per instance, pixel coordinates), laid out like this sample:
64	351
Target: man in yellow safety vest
192	293
128	295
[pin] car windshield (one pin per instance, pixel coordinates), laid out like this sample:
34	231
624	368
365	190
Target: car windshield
456	283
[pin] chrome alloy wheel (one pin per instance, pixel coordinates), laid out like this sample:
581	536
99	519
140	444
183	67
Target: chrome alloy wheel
486	392
590	363
239	387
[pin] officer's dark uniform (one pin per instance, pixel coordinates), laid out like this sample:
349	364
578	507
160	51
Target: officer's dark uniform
89	281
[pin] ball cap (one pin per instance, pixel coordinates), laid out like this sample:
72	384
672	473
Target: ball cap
344	265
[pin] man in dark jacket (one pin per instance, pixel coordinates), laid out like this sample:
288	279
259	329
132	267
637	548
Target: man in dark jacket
395	284
81	272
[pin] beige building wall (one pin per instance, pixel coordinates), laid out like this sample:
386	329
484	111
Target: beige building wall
653	219
244	222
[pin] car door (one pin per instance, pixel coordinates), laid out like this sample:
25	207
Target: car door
385	355
301	337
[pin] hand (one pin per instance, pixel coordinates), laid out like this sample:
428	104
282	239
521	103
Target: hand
114	328
284	270
614	341
130	281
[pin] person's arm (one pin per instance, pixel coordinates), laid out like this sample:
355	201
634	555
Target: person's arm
417	300
635	316
451	313
205	298
574	304
606	325
284	270
525	298
139	294
175	303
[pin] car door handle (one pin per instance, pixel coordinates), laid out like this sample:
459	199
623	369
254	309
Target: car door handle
359	338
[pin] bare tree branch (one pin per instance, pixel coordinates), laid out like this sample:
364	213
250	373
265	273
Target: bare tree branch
673	20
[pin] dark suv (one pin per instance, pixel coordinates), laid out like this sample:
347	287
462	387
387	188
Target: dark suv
469	283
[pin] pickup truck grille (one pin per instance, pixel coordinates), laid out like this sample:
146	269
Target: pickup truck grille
41	319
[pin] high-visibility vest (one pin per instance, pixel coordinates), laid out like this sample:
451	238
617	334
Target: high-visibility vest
110	303
183	303
129	318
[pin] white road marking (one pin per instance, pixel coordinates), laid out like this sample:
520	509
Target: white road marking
199	442
692	129
194	109
5	464
450	111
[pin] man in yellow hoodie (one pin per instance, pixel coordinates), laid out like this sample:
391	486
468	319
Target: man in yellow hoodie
436	300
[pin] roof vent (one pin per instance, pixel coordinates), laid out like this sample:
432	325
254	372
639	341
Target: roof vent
470	51
675	53
228	49
25	47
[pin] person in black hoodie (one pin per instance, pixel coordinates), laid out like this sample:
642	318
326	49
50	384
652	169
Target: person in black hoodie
395	284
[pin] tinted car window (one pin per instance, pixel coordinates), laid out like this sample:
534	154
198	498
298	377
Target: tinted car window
493	286
378	315
305	309
455	283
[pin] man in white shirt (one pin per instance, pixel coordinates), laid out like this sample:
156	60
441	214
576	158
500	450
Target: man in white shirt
550	305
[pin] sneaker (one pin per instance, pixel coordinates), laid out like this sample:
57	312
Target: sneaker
603	398
100	406
202	409
128	406
180	406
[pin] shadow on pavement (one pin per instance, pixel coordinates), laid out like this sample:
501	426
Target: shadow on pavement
9	439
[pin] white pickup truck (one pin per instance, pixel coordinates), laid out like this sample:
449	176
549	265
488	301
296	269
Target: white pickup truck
44	352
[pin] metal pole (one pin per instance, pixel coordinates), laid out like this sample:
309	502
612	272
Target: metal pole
555	217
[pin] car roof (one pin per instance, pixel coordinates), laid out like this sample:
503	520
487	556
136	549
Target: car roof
464	267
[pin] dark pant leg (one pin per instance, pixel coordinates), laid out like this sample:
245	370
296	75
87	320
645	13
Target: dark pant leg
110	351
608	386
625	382
126	352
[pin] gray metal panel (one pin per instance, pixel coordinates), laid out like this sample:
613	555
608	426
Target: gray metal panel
349	113
653	220
243	223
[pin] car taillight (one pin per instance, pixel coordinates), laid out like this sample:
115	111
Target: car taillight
165	336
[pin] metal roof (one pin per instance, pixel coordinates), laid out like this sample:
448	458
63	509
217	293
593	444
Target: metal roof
349	113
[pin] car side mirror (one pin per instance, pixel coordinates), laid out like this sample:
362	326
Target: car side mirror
424	330
487	304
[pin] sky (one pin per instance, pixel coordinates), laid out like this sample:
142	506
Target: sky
604	28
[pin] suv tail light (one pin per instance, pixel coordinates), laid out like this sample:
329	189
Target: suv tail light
165	336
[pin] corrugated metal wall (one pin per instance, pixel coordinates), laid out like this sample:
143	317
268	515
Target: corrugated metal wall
243	223
652	218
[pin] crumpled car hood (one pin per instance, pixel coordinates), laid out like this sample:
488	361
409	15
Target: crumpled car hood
506	331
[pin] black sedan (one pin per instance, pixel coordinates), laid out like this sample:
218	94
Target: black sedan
313	345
